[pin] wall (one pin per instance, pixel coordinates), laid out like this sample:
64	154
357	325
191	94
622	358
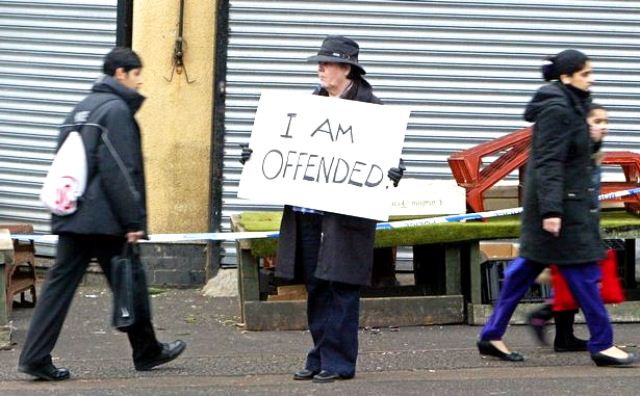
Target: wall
176	118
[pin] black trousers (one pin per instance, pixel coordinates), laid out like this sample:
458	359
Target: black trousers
333	308
74	254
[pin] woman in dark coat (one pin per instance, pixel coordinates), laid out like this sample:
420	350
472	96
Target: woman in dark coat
332	252
560	222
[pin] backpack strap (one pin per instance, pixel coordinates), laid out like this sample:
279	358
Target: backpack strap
78	126
85	115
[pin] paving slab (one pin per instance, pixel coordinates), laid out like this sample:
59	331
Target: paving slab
223	358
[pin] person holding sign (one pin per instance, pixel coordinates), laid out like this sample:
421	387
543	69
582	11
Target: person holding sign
560	220
332	252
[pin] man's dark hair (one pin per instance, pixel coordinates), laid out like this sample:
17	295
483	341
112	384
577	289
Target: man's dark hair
120	57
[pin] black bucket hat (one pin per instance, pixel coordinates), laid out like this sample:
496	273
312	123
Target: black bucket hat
338	49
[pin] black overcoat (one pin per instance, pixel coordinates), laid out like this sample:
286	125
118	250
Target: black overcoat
346	249
114	201
559	180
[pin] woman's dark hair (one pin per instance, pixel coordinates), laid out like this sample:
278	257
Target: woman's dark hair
120	57
566	62
354	74
596	106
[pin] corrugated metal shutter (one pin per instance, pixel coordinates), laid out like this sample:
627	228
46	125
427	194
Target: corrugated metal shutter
466	67
50	53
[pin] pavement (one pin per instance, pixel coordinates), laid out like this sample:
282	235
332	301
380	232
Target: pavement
224	359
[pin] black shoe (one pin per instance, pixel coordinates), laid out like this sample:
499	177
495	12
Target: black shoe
570	344
565	341
537	320
169	352
324	377
47	372
305	374
600	359
487	348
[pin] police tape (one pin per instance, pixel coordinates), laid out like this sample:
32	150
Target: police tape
205	236
485	215
235	236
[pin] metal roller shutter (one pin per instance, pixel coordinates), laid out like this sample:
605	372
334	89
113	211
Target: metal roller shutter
50	53
466	67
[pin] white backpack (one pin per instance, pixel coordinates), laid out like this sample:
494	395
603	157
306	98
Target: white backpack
67	177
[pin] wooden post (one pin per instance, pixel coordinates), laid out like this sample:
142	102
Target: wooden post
5	329
6	258
3	292
248	278
248	270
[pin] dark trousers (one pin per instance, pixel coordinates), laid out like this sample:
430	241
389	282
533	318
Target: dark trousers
73	256
333	308
582	281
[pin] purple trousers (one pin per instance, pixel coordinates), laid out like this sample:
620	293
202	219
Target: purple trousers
582	280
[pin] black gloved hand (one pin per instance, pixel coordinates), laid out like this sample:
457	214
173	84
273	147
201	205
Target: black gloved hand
395	174
245	155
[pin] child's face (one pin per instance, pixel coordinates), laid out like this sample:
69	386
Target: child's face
598	123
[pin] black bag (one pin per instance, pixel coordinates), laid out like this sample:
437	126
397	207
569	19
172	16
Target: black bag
122	285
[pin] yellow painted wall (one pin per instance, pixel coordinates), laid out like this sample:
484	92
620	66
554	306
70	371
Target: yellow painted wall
176	117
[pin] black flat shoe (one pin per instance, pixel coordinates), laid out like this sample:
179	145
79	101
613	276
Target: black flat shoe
600	359
324	377
168	352
572	344
487	348
304	375
47	372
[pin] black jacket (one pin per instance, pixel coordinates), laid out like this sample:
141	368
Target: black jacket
346	250
559	181
114	201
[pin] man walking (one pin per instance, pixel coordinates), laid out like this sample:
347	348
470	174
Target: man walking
111	212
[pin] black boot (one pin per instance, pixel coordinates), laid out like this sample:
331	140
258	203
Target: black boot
565	340
538	319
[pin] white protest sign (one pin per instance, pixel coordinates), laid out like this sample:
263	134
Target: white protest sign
324	153
428	197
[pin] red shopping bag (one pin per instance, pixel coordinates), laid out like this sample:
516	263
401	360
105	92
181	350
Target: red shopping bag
610	286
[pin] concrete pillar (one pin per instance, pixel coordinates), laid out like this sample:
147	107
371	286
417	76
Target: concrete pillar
176	117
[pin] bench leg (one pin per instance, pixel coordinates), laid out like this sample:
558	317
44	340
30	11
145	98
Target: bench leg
33	296
475	273
453	265
248	278
23	299
630	261
4	302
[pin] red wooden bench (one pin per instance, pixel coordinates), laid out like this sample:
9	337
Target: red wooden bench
630	163
513	149
469	173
